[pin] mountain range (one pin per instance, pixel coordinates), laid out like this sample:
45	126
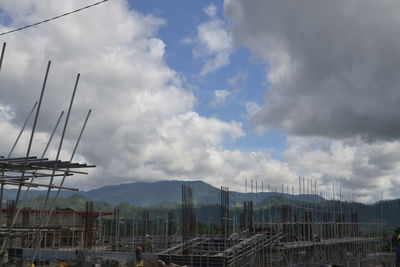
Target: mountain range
157	193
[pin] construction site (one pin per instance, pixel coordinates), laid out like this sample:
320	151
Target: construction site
311	228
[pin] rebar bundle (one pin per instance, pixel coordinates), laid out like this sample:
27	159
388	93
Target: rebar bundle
225	220
188	215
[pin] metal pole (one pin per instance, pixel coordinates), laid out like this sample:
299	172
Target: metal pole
62	139
38	111
52	134
2	54
256	211
133	231
1	199
22	130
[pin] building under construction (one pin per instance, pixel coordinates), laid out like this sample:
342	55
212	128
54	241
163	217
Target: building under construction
312	232
66	228
292	234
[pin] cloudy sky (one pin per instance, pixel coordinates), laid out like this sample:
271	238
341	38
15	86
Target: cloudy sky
219	91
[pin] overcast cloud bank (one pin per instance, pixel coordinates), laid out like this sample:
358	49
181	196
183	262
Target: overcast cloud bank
333	73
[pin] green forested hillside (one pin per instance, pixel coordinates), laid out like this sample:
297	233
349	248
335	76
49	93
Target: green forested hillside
209	212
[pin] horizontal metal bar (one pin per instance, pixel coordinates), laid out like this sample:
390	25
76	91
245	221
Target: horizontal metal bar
33	176
18	159
18	182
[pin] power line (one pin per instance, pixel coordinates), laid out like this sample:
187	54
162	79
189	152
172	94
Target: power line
53	18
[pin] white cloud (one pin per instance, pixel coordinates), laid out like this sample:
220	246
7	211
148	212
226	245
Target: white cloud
253	108
143	126
213	42
362	169
220	97
237	81
210	10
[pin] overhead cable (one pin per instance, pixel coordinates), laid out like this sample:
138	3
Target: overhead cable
53	18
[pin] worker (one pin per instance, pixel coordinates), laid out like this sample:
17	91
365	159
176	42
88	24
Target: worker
398	251
316	238
139	257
